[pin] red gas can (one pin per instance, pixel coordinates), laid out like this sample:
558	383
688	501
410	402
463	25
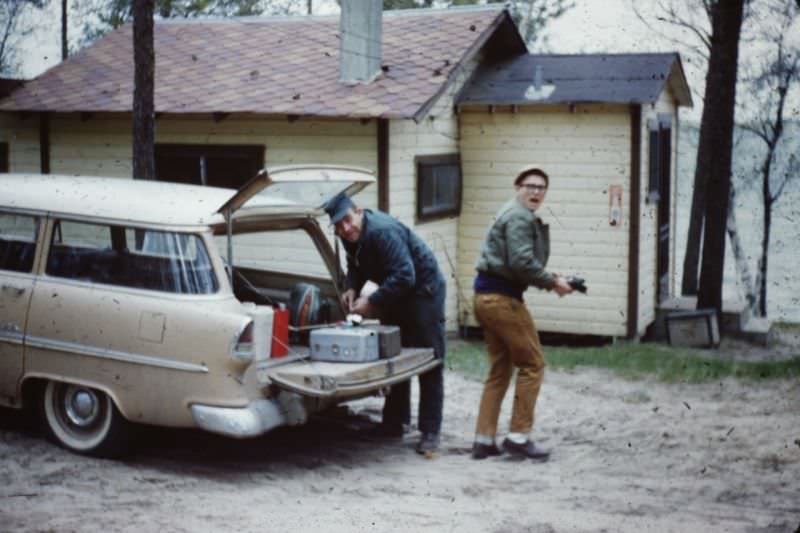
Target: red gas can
280	332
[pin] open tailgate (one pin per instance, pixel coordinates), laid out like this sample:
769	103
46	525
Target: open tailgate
322	379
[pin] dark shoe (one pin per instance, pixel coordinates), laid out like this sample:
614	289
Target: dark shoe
526	449
387	431
429	443
482	451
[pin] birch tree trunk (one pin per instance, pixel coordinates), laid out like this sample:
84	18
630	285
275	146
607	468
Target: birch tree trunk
740	259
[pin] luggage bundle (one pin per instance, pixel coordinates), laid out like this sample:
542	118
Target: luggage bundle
355	344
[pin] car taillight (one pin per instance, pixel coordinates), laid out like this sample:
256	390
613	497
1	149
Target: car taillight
244	349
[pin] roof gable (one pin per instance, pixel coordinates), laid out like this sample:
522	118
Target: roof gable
579	78
269	66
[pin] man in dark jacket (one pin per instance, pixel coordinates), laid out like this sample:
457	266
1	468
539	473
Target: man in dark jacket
410	294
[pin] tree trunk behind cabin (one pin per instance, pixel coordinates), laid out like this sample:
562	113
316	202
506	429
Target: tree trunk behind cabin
691	260
144	166
715	148
64	47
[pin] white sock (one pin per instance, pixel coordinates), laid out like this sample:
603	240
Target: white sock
518	438
484	439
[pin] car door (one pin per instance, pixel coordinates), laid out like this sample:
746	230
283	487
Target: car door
278	194
18	253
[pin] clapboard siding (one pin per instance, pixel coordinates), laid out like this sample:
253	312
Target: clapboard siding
584	152
289	251
584	148
101	145
22	136
436	134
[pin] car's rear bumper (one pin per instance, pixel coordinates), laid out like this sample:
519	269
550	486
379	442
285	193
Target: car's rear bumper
299	379
255	419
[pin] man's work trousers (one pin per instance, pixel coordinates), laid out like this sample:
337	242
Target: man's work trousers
421	322
512	341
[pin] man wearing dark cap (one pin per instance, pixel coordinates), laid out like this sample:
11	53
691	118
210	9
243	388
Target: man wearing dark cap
410	294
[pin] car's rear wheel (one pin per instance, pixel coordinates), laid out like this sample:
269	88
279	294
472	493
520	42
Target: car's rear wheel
84	420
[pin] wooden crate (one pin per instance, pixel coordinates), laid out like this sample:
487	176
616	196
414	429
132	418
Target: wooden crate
697	328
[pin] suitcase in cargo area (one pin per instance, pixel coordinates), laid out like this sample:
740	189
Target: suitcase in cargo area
344	344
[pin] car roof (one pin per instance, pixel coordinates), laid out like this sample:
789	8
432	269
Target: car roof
124	199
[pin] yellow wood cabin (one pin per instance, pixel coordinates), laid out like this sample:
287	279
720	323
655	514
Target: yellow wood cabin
445	110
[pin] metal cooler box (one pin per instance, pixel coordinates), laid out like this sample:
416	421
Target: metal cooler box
344	344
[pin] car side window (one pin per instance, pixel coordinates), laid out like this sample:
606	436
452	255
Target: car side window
17	241
131	257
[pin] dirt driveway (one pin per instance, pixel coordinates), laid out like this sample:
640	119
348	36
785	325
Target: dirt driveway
628	456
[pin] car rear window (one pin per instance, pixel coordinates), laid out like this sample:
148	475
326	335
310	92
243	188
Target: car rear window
131	257
17	241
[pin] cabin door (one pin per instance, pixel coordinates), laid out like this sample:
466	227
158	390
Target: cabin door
660	173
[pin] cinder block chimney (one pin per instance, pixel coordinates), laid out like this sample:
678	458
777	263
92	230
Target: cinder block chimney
361	34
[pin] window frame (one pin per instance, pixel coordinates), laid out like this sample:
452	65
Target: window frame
5	164
256	153
84	261
30	262
421	163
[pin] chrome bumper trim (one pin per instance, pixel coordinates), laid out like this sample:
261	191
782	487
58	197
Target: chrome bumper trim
256	419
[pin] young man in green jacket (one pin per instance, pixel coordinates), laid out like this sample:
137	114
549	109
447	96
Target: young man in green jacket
513	257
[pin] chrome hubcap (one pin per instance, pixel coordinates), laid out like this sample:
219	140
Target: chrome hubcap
81	405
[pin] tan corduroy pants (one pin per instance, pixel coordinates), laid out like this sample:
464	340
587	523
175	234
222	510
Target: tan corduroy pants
512	341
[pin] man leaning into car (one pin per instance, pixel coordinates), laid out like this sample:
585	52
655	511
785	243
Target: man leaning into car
411	295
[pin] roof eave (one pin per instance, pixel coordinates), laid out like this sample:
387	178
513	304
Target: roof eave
678	84
502	17
525	103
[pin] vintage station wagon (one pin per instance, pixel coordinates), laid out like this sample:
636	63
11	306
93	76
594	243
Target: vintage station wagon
129	301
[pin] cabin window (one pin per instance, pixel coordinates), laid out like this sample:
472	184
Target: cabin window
215	165
3	157
131	257
438	186
17	241
660	156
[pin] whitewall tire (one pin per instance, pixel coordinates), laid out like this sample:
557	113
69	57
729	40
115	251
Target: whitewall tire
83	420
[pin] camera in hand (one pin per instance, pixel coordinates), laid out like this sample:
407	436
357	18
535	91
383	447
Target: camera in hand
579	284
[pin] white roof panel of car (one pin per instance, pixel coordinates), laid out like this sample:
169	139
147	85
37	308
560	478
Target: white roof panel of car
123	199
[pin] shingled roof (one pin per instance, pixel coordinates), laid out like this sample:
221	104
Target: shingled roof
271	66
579	78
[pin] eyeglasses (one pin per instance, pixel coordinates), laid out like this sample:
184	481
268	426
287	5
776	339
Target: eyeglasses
534	187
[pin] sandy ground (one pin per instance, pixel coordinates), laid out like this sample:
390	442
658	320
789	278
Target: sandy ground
628	456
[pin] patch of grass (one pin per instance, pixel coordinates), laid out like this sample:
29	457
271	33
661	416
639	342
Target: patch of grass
789	327
634	361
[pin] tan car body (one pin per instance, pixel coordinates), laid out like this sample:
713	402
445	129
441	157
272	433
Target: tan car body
167	358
